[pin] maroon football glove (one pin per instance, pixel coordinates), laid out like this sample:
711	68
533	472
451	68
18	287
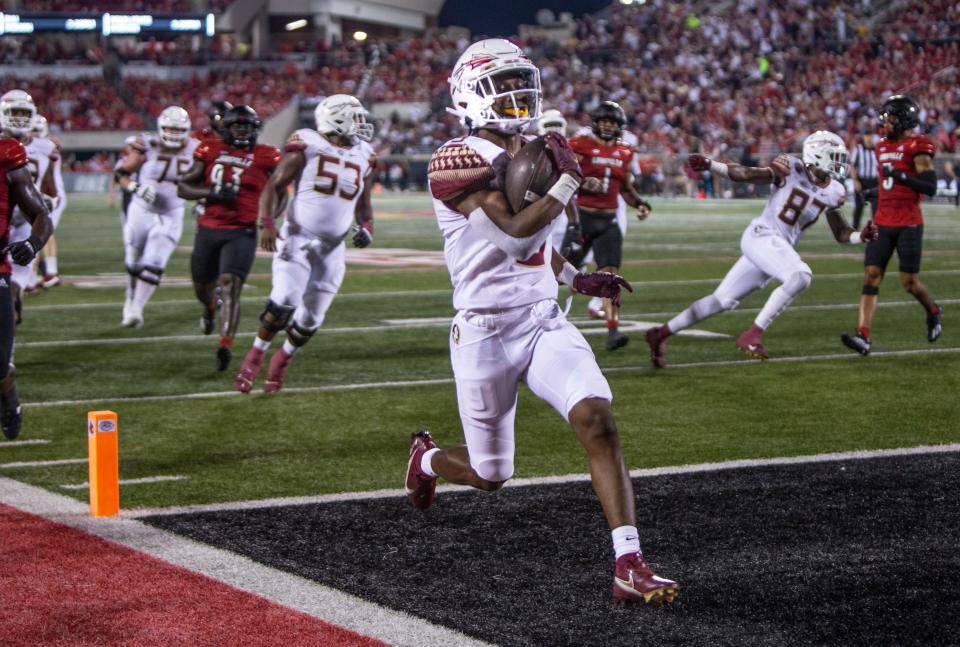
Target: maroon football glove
605	285
870	232
563	156
699	162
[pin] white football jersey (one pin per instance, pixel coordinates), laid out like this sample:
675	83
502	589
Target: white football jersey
330	184
484	276
162	168
798	203
39	152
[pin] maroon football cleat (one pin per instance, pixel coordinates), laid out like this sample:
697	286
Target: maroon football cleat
751	343
634	582
252	364
277	371
656	340
421	489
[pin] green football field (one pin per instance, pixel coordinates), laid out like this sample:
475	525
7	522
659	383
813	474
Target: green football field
379	369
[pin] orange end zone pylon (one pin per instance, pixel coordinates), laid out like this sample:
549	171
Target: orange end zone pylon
104	463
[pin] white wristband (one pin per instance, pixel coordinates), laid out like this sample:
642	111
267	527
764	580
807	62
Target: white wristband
567	273
719	168
564	188
855	238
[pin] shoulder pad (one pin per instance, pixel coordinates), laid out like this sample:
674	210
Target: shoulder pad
13	154
923	145
295	143
456	168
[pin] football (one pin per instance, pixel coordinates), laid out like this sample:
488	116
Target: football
529	175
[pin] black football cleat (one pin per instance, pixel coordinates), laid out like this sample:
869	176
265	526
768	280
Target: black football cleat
207	322
616	339
934	326
856	342
11	418
223	358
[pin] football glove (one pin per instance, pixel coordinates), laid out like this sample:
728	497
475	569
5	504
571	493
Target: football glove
699	162
605	285
363	234
870	232
146	193
226	193
572	241
22	252
563	156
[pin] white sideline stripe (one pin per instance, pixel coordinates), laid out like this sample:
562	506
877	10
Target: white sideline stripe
550	480
449	380
21	443
441	322
292	591
62	461
147	479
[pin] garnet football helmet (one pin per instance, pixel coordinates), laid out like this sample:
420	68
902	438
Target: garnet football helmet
231	126
826	151
902	111
173	127
552	121
494	84
17	112
344	115
612	111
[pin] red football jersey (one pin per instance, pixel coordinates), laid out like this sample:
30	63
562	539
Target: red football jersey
608	162
897	204
13	155
205	135
247	169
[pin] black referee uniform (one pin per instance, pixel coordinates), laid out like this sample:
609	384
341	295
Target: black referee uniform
863	169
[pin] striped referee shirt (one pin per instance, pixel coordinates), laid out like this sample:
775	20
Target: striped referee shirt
864	160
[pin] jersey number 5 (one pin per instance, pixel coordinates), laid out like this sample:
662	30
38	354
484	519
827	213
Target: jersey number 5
333	176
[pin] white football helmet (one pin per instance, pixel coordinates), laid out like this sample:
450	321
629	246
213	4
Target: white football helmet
477	86
344	115
552	121
826	151
40	127
173	127
21	102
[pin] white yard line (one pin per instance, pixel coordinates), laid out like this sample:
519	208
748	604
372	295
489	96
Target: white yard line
292	591
141	481
23	443
440	381
63	461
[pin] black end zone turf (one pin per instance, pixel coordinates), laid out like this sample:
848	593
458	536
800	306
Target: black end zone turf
841	553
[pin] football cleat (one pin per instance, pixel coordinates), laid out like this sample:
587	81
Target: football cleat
856	342
421	489
634	582
277	372
51	280
656	340
223	358
751	343
132	317
207	321
616	339
11	418
595	309
252	364
934	327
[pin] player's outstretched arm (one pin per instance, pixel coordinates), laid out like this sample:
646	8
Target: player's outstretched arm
736	172
25	195
847	235
273	199
190	186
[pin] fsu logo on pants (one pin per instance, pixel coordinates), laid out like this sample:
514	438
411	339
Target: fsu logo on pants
455	333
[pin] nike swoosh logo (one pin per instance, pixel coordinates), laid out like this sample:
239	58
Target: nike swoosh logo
751	347
624	584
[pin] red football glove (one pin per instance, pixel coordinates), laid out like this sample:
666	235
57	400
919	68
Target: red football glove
605	285
699	162
563	156
870	232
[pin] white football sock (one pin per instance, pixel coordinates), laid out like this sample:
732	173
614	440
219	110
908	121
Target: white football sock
50	264
289	348
425	460
626	541
142	293
783	296
695	313
261	344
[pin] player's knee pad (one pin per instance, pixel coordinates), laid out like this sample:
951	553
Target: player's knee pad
298	334
870	290
133	270
151	274
797	282
279	316
495	470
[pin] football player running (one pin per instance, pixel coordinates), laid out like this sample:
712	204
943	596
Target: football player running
606	163
17	189
17	118
51	273
154	220
905	162
509	326
802	190
230	173
331	166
